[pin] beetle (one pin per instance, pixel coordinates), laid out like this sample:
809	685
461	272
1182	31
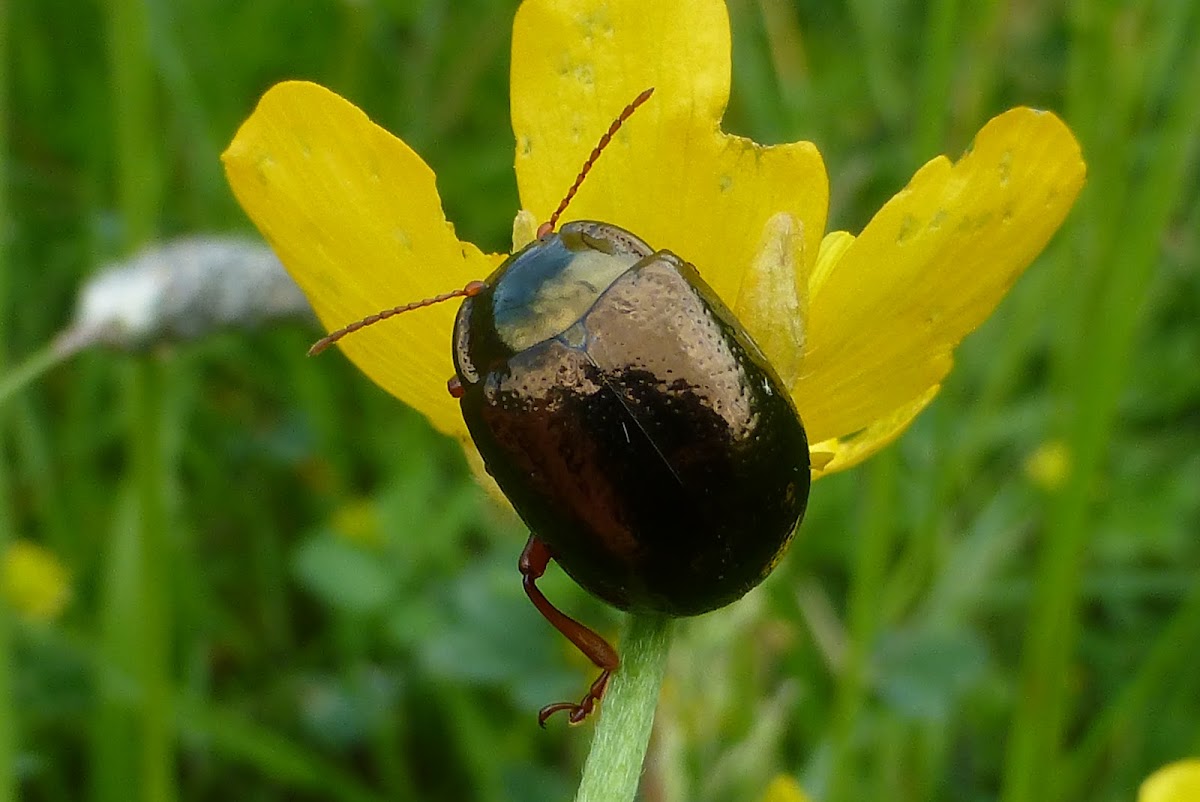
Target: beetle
638	430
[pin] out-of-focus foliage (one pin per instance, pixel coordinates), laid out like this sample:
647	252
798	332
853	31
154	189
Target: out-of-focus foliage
284	586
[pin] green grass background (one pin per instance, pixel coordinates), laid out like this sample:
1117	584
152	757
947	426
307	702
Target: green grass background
945	628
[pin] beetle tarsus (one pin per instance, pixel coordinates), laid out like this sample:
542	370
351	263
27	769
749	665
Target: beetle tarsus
534	559
576	713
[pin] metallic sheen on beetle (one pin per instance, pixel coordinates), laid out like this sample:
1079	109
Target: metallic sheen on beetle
632	421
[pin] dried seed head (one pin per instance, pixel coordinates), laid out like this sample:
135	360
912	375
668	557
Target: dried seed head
183	289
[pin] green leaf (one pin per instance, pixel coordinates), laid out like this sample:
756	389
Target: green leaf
342	575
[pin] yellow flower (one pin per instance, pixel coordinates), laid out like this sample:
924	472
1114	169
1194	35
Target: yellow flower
358	522
861	328
33	582
1178	782
785	789
1049	465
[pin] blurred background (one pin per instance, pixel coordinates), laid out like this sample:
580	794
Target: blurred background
233	572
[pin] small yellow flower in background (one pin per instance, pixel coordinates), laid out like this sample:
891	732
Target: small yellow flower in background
33	582
358	522
1049	466
784	789
862	328
1178	782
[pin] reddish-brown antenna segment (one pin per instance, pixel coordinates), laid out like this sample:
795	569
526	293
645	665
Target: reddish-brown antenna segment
472	289
626	113
475	287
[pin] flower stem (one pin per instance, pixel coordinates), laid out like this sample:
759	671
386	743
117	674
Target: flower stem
18	377
9	743
614	765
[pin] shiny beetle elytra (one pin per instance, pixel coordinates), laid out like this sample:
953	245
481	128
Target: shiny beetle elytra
631	420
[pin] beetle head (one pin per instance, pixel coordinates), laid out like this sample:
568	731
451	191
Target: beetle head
585	244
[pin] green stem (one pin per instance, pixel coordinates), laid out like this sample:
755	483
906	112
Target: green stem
9	744
937	78
8	712
877	31
18	378
864	615
145	402
136	132
146	623
614	765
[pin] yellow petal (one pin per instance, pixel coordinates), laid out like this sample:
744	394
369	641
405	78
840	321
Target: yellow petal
524	230
929	268
772	302
670	176
833	246
784	789
838	454
1178	782
355	216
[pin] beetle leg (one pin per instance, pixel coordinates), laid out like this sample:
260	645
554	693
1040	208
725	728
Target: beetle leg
532	564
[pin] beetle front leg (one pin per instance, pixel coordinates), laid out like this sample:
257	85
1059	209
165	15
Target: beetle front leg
532	565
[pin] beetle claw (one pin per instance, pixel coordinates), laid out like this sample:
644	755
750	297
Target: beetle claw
549	710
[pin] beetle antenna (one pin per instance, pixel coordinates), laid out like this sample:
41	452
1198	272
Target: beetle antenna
472	289
626	113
